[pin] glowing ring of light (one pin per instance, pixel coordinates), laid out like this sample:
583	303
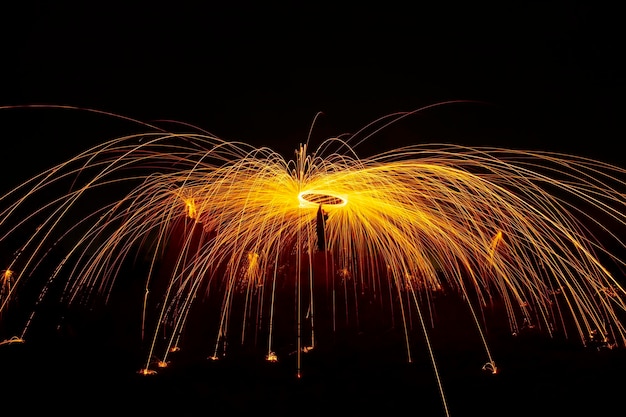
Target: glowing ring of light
312	198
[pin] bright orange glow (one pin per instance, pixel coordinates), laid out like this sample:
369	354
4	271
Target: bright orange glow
534	232
146	371
191	209
12	340
6	286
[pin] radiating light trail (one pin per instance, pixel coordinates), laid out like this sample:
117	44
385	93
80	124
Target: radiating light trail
537	232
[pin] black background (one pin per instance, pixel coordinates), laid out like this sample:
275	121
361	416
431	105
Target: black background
540	75
550	73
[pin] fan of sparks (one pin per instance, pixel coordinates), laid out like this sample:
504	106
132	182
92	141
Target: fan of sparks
535	232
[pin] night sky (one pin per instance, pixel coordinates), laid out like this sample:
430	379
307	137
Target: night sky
548	74
538	75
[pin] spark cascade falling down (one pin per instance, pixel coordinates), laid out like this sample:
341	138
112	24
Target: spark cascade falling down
533	231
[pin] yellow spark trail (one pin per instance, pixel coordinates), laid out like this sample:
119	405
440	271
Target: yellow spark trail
536	232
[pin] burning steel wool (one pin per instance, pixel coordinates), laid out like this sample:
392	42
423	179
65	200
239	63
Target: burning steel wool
251	231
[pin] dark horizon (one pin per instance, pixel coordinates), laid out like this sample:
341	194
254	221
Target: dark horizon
90	360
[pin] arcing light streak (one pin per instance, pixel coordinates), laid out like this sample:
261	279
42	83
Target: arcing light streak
531	230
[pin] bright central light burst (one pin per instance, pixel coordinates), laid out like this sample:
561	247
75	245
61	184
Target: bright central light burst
309	199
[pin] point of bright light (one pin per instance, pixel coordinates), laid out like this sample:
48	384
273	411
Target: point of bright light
313	198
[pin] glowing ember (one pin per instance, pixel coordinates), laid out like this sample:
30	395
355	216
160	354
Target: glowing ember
146	371
12	340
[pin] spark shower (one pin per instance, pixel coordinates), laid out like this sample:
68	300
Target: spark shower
535	232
